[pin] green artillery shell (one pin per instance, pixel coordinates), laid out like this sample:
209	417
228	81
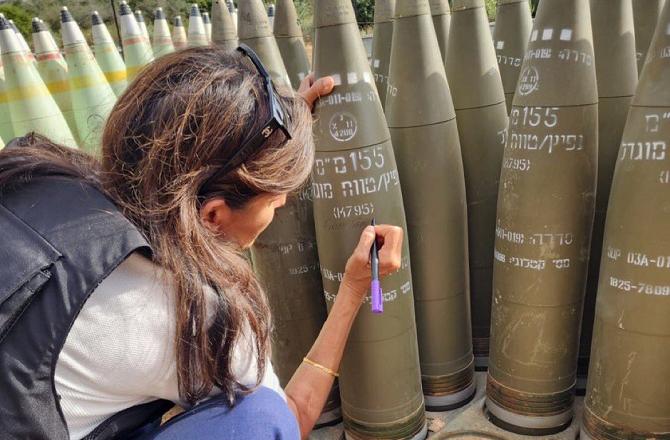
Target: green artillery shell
136	47
381	45
179	34
544	223
31	105
92	96
291	45
107	55
422	122
22	41
254	30
271	15
139	17
223	28
616	69
197	35
479	99
286	260
628	394
356	179
645	14
442	22
162	40
53	70
6	129
208	26
513	26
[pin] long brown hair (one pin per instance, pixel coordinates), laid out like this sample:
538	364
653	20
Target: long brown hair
171	130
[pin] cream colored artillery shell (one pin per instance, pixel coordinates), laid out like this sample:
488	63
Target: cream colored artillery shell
162	40
22	41
223	28
139	17
136	48
208	26
381	45
179	34
645	14
356	179
442	23
233	12
197	35
616	70
92	96
53	69
422	122
288	34
107	55
31	105
287	262
254	30
479	99
544	223
628	394
510	36
6	129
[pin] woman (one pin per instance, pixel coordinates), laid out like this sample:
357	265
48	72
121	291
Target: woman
113	305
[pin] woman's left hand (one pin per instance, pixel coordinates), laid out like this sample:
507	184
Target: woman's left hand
312	89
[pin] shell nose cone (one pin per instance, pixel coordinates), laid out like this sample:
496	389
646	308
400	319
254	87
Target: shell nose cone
124	9
139	16
38	25
65	15
159	14
195	11
95	18
177	21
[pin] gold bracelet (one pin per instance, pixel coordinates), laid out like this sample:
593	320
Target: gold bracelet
320	367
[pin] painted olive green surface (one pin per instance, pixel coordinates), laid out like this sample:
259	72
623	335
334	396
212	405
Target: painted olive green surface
479	99
645	14
288	34
254	30
422	122
616	70
544	221
287	263
223	27
628	394
355	179
442	23
382	35
510	36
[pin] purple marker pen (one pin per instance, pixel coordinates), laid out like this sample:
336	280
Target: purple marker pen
375	286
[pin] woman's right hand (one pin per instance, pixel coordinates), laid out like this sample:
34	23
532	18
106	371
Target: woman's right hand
357	275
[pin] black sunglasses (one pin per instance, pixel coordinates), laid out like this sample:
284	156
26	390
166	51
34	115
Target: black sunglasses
277	121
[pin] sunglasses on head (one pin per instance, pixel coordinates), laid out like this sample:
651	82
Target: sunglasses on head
276	122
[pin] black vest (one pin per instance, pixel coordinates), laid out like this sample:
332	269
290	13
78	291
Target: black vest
59	238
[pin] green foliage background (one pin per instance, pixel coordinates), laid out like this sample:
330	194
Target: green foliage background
23	11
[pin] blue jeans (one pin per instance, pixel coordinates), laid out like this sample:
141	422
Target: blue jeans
260	415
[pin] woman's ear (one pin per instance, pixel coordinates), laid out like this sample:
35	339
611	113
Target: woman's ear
215	214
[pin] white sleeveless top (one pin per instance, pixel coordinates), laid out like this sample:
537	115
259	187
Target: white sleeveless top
120	351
